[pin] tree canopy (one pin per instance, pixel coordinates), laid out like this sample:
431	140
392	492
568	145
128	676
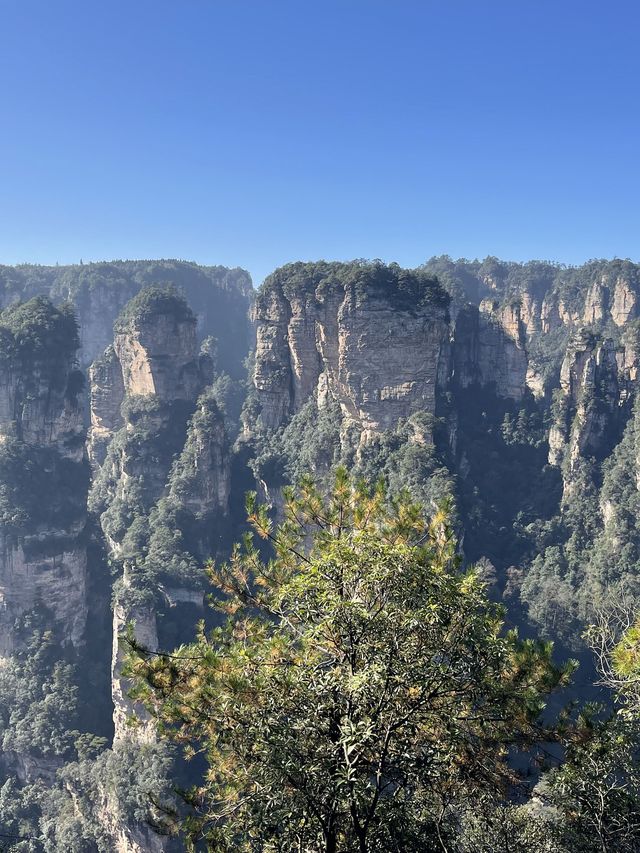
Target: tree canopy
359	686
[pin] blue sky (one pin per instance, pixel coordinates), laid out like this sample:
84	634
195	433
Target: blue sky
255	132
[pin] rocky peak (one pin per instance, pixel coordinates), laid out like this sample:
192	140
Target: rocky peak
162	466
39	382
370	337
155	342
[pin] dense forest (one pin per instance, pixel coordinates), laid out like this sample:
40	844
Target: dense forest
463	443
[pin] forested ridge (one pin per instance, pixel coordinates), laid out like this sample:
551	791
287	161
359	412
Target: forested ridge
464	442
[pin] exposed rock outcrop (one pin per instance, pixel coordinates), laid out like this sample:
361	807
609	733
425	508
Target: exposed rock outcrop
549	315
107	395
220	298
624	306
588	402
142	617
360	346
595	303
46	573
158	355
610	295
489	348
43	474
163	448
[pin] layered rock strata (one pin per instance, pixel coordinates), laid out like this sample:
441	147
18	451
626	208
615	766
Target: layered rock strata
379	358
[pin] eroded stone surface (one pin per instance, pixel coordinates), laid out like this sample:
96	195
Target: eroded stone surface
377	362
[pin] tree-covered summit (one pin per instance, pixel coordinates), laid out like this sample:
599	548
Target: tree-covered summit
219	296
38	329
72	280
406	289
151	302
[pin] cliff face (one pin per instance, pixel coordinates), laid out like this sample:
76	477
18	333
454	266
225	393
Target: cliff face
47	574
160	358
587	404
143	619
383	364
540	307
624	304
322	337
106	386
349	342
43	475
158	441
490	348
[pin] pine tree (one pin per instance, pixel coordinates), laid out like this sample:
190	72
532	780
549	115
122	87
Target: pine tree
360	686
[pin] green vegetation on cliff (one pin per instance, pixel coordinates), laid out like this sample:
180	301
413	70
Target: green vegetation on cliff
38	346
105	791
26	474
474	280
150	494
152	301
408	290
38	703
590	551
38	343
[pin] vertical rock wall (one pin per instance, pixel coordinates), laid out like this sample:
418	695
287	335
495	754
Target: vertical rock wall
43	475
164	451
379	358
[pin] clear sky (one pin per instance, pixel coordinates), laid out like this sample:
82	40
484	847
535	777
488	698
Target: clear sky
256	132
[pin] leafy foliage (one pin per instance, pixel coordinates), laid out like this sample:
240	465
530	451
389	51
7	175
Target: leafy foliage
408	290
151	301
38	701
129	783
27	473
597	790
37	336
359	685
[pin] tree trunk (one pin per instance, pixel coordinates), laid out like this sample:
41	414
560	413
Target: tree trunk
331	845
